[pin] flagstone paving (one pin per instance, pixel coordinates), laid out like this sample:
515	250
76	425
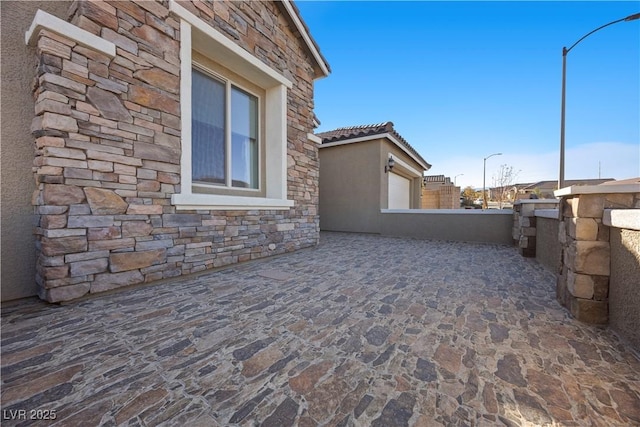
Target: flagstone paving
361	331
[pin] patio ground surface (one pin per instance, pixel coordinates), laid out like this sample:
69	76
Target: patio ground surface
361	331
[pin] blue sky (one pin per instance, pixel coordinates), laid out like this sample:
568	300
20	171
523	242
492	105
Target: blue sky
463	80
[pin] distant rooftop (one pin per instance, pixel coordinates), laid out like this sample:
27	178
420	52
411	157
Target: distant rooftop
353	132
551	185
437	179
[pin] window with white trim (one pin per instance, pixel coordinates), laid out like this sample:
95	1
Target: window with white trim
224	133
234	124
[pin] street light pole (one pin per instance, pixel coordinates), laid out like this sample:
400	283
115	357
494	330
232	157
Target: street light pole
484	176
565	51
454	178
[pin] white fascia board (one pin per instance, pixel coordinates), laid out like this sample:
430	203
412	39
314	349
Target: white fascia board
306	37
184	201
405	166
214	44
597	189
45	21
387	135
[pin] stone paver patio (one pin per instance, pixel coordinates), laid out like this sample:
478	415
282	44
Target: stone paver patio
360	331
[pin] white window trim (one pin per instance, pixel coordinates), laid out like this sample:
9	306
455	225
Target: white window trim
212	43
229	85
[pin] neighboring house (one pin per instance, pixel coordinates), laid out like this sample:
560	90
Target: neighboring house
170	138
438	192
545	189
356	181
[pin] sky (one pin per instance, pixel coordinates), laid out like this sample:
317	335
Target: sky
464	80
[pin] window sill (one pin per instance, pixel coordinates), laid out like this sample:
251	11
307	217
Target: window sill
214	202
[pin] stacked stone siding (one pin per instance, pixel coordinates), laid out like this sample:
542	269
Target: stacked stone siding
583	284
525	224
108	150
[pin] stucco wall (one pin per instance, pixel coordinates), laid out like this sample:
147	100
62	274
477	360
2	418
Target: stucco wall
491	226
624	285
548	248
349	187
18	248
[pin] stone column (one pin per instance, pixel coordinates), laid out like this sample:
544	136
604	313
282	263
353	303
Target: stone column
583	283
524	223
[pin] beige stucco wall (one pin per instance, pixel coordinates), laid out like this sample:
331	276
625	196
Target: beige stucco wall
624	285
490	226
354	186
350	187
548	248
18	252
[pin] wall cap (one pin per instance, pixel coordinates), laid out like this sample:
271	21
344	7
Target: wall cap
622	218
547	213
45	21
597	189
536	201
449	211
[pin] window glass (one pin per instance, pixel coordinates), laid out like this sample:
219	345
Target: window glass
244	139
208	129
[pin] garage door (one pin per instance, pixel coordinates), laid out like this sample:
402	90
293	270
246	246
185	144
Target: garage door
399	192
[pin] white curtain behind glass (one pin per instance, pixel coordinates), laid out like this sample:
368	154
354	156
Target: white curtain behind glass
244	139
208	130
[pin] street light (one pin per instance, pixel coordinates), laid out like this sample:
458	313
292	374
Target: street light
454	178
484	175
565	51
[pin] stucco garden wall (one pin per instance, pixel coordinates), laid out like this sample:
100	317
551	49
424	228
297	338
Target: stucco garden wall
548	248
108	143
624	286
490	226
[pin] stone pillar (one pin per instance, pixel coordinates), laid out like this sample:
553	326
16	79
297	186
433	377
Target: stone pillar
583	283
524	224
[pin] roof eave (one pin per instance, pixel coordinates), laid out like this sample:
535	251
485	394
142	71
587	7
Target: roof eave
321	66
388	135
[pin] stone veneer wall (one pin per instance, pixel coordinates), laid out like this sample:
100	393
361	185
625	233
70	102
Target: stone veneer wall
108	151
583	284
524	223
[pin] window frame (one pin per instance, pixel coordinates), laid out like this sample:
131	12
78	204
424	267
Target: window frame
196	34
229	84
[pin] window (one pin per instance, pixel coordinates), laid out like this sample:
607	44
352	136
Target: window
234	124
223	155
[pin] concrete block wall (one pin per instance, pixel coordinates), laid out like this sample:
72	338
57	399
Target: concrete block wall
107	150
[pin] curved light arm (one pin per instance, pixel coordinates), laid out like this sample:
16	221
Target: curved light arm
494	154
628	18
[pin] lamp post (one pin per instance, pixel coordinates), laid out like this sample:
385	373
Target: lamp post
454	178
484	176
565	51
